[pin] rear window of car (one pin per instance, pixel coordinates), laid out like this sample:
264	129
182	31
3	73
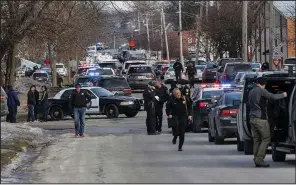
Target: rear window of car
81	70
135	63
290	61
140	69
114	83
229	97
255	65
210	94
108	65
40	75
234	69
225	61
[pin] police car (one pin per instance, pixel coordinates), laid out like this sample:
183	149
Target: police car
103	102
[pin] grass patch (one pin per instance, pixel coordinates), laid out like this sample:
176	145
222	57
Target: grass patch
7	157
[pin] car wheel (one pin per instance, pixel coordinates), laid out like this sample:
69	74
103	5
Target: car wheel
196	124
248	147
210	137
277	156
111	111
239	144
219	140
131	114
56	113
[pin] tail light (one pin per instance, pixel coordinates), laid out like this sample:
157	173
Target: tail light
203	85
127	91
229	112
3	98
203	104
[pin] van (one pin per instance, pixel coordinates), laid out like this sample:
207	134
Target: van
61	69
277	82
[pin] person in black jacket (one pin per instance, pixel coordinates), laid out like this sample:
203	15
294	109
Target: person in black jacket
31	103
12	103
178	67
79	101
162	96
44	103
149	106
36	108
191	71
179	109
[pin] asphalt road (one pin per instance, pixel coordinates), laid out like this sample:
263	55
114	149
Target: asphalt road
119	151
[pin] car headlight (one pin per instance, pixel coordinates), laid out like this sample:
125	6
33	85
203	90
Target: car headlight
127	103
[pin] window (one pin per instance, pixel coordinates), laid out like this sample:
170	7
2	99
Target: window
210	94
108	65
101	92
290	61
115	83
67	94
40	75
233	69
59	66
140	69
225	61
229	97
135	63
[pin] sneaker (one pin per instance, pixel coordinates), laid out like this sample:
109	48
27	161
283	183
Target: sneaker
81	135
75	135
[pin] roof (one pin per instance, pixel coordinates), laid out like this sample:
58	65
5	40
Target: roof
286	8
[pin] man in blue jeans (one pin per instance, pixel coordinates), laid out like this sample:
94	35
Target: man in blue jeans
79	100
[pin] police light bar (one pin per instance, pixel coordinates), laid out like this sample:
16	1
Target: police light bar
210	86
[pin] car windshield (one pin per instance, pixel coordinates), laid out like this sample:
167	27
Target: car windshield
59	66
81	70
40	75
210	94
108	65
255	65
225	61
115	83
140	69
234	69
82	80
101	92
229	97
290	61
135	63
100	72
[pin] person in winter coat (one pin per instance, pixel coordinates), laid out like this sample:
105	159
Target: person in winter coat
44	103
178	67
37	106
191	71
31	103
12	103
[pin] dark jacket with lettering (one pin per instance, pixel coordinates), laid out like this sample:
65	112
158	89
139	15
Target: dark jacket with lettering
80	99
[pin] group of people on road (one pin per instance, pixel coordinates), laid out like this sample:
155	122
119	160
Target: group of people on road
178	109
190	71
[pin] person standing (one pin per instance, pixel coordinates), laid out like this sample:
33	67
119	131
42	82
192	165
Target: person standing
37	106
79	101
258	120
179	109
149	106
31	103
12	103
162	94
191	71
44	103
178	68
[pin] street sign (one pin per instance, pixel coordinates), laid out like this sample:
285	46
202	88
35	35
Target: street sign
277	54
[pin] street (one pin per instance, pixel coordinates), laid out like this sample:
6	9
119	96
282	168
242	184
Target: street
120	151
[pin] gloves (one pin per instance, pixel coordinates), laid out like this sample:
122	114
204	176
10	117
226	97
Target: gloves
157	98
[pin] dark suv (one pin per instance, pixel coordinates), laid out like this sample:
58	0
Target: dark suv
116	84
227	73
138	76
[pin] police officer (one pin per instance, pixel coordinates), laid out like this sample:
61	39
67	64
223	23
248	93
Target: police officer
179	109
258	119
191	71
162	95
149	106
178	67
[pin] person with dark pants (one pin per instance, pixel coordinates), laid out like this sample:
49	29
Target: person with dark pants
37	107
44	103
258	120
191	71
12	103
149	106
31	103
162	94
79	101
178	68
180	110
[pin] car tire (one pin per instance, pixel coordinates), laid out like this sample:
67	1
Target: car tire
210	137
219	140
131	114
56	113
277	156
239	144
248	147
196	124
111	111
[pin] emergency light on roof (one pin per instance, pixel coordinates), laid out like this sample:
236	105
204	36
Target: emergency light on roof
210	85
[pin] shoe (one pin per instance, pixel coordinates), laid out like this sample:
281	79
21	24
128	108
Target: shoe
81	135
180	149
75	135
174	141
263	165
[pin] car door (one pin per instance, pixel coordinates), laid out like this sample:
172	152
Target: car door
95	103
217	112
211	118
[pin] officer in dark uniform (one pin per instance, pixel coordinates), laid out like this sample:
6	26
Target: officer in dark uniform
178	68
191	71
185	91
179	109
162	95
149	106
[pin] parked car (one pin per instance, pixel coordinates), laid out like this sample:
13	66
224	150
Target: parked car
222	117
290	62
169	76
199	71
4	108
227	73
103	102
116	66
115	84
41	76
61	69
209	73
138	76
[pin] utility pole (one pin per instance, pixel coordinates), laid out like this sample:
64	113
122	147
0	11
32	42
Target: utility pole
207	40
114	37
198	33
165	34
245	32
271	66
161	37
180	31
139	27
148	36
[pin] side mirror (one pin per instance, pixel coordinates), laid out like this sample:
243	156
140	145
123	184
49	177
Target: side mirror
236	102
